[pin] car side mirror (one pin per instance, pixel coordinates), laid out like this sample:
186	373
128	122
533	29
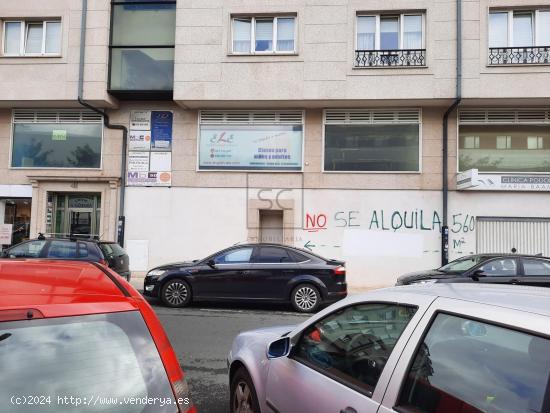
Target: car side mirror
479	273
211	263
279	348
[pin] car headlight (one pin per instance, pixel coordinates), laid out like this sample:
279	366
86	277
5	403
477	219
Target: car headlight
424	282
156	273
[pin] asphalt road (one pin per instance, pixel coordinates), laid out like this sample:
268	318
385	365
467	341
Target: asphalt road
202	335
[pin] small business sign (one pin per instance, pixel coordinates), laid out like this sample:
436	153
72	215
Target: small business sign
149	178
472	180
150	148
139	140
59	135
138	161
140	120
5	234
161	130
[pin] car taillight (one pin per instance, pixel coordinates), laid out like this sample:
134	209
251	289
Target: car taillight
341	270
181	391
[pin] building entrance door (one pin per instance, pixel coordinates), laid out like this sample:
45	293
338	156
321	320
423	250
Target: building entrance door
76	214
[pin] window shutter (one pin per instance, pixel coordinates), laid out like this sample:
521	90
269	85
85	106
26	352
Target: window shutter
56	116
504	116
208	117
373	116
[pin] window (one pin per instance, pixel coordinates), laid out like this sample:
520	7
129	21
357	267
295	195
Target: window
30	249
536	267
375	141
462	264
504	148
62	249
242	140
32	38
263	35
353	344
240	255
502	267
519	36
390	40
390	32
50	139
110	356
273	255
142	48
469	366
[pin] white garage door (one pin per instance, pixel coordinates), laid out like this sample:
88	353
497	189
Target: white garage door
502	235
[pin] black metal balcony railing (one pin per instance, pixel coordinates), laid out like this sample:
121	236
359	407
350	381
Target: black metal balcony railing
531	55
390	58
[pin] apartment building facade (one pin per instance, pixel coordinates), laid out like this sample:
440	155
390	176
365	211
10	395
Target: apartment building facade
327	125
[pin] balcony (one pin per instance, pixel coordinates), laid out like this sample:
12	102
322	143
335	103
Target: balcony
390	58
531	55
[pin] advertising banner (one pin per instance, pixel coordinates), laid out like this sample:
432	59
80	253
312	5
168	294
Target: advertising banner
270	147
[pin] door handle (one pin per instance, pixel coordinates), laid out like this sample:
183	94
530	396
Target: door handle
243	272
348	410
515	281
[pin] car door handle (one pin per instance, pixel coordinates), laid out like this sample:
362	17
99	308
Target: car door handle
515	281
243	272
348	410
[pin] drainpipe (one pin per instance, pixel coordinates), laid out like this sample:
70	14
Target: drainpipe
106	122
456	102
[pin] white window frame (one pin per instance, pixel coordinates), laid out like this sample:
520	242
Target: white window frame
510	22
24	26
252	50
401	22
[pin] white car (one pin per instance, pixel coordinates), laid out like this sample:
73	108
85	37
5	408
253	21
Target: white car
440	348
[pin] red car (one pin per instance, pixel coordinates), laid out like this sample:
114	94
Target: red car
75	336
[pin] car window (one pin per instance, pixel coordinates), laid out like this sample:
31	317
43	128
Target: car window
297	257
501	267
475	367
62	249
31	249
239	255
462	264
105	359
353	344
272	255
82	250
536	267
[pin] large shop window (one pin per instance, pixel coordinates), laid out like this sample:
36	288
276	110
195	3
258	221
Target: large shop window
263	140
142	48
504	141
56	139
372	140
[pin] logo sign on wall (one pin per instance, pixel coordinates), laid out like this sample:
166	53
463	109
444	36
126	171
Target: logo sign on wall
251	148
150	148
472	180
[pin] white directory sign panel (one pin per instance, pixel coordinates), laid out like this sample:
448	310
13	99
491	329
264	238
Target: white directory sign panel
5	234
161	161
139	140
140	120
138	161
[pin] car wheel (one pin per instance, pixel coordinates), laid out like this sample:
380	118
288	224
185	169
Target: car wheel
176	293
243	393
305	298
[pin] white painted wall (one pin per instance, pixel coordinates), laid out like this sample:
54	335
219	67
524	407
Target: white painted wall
381	234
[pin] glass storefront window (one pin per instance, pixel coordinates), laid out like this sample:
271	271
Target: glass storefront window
17	212
372	148
504	148
56	145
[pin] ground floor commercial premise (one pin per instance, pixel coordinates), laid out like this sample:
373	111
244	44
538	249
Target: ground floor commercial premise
363	185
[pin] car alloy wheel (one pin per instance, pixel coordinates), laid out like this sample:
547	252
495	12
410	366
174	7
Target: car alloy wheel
176	293
242	399
305	298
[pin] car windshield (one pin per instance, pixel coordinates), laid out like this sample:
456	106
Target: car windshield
99	361
463	264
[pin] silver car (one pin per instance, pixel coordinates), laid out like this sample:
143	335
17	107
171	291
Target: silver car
440	348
